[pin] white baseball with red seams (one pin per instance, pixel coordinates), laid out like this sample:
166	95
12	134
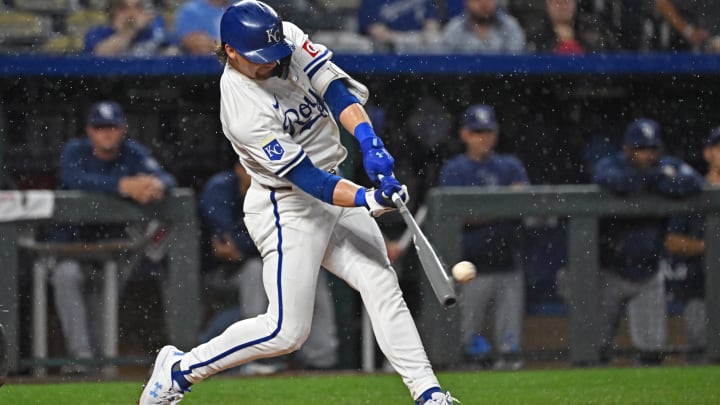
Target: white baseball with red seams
464	272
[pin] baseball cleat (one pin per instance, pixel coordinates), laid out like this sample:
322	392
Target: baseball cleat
160	388
441	398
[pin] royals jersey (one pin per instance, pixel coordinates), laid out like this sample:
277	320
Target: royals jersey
275	123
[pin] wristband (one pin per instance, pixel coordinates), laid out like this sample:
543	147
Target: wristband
364	131
360	198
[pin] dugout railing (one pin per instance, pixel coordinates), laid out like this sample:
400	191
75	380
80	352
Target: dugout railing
180	290
583	205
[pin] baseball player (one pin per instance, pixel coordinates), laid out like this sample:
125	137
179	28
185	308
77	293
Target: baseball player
630	248
685	276
281	101
489	245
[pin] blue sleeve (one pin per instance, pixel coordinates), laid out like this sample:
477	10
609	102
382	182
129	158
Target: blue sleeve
519	174
310	179
94	36
685	182
612	176
221	211
74	175
338	98
147	164
185	23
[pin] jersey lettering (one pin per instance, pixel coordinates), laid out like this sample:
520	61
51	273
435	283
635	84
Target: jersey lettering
302	117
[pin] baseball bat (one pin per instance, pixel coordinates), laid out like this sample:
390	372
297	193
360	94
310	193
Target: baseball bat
429	260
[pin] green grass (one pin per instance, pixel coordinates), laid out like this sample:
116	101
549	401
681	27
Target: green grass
610	386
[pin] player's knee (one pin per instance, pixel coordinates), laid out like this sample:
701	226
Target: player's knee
290	340
67	274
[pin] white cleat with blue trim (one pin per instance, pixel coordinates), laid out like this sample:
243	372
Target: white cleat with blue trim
441	398
161	389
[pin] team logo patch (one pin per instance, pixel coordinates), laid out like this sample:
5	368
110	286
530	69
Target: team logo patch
273	150
310	48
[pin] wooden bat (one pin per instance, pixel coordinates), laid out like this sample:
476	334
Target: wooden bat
441	284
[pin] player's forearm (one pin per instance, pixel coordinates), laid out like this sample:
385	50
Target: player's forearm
352	116
345	193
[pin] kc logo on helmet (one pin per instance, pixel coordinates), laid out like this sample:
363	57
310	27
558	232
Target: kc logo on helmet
274	35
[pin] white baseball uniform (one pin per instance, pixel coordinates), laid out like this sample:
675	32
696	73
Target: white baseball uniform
272	125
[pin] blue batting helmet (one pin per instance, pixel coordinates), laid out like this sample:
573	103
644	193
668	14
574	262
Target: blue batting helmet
643	133
255	31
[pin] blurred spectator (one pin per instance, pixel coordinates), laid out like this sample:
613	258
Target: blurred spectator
491	245
197	26
686	276
400	25
630	248
235	263
567	30
103	162
483	28
697	22
452	9
133	29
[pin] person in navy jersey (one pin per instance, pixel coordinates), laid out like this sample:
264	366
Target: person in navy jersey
491	245
133	29
685	277
104	162
630	248
397	25
231	254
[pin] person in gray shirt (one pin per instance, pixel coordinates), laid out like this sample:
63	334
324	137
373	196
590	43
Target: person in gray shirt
483	28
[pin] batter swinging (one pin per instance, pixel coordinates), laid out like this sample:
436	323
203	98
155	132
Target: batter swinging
281	97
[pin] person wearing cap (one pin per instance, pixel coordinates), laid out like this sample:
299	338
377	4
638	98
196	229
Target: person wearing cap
685	275
106	162
491	245
282	102
197	26
630	248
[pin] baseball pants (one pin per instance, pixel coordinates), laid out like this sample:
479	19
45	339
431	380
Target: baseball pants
646	310
296	234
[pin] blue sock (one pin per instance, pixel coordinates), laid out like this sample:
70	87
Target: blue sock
179	377
427	395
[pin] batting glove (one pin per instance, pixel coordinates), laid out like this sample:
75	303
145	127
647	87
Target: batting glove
376	159
379	201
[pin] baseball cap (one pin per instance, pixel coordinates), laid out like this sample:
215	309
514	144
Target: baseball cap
480	117
714	137
643	133
106	113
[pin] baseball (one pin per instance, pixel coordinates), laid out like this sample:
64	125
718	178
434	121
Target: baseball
464	272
